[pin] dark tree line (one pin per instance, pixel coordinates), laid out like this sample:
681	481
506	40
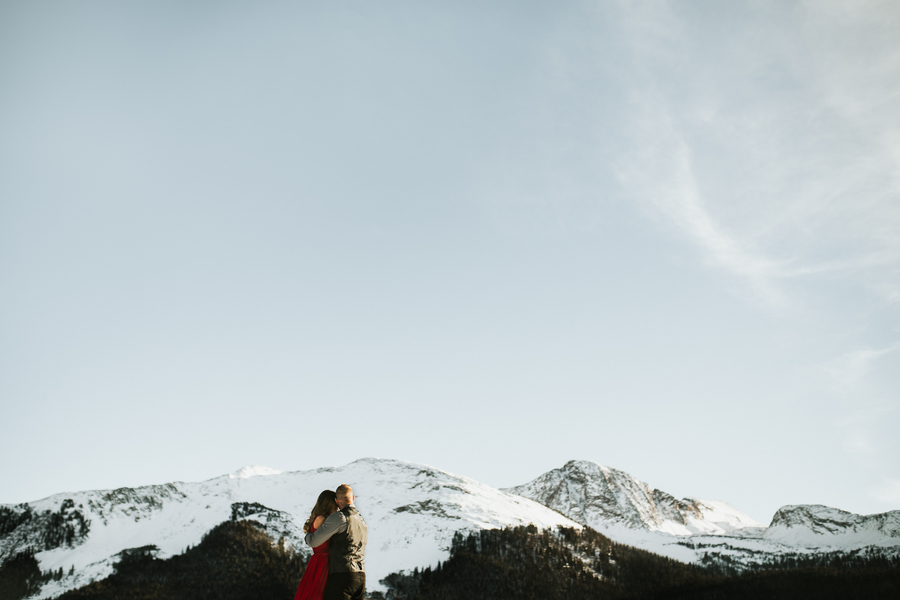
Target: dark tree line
10	519
65	526
238	561
233	561
819	583
44	530
523	563
21	576
854	559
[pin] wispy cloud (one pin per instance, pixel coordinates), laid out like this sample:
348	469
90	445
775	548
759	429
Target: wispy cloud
776	150
660	176
769	139
854	366
658	171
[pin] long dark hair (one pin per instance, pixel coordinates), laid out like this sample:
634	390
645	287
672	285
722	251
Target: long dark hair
325	505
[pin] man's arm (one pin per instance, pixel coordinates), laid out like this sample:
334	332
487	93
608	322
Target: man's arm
335	523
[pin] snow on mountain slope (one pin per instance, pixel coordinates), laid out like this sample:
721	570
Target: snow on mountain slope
599	496
254	471
412	512
814	525
630	512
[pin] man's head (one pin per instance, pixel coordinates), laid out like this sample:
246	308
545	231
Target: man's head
344	495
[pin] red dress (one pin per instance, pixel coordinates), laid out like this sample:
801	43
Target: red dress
313	582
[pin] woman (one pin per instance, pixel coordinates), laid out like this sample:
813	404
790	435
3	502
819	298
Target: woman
313	582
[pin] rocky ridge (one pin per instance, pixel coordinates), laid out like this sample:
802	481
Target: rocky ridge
702	531
412	511
598	496
814	525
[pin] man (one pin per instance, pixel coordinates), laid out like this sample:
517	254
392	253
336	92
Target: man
347	553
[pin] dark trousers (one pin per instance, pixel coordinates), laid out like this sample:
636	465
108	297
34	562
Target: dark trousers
345	586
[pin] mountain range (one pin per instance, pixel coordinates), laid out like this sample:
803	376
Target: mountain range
702	531
413	511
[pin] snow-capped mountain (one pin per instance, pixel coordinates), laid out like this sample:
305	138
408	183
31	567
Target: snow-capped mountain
599	496
631	512
412	512
814	525
253	471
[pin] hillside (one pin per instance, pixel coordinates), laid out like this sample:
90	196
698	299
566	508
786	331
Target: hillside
412	511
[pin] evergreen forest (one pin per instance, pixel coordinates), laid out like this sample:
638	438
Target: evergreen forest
233	561
237	561
523	563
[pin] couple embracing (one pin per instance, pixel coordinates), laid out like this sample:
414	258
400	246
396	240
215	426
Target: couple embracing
337	533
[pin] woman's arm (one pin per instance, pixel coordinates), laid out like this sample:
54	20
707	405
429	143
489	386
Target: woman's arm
318	522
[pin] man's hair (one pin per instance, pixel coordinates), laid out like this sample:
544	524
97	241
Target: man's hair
343	492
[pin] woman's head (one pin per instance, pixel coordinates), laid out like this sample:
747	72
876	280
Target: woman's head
325	505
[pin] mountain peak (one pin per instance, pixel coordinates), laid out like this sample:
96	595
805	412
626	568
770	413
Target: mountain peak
412	511
600	496
813	524
253	471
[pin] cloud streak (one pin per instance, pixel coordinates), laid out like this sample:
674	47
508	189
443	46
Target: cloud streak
795	176
660	176
768	138
856	365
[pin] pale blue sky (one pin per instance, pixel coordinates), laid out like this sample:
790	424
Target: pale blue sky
661	236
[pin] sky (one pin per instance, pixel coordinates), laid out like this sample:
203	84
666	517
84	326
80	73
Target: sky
488	237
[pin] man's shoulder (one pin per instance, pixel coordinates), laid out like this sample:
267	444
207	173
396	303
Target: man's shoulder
337	516
351	511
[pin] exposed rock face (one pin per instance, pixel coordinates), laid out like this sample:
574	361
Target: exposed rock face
412	511
703	531
817	525
599	497
24	528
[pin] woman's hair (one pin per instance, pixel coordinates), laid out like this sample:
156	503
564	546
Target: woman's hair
325	505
